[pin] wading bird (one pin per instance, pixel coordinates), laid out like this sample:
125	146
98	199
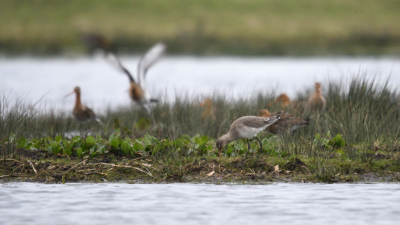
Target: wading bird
207	109
245	127
80	111
316	102
286	123
137	90
283	99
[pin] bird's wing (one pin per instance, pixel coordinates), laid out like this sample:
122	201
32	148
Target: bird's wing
89	113
258	122
148	60
114	61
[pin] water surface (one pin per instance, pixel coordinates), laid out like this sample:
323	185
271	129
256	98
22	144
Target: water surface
32	203
102	85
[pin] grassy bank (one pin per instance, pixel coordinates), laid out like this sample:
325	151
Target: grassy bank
254	27
42	167
355	139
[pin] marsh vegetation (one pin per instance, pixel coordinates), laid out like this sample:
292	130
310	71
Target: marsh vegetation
358	133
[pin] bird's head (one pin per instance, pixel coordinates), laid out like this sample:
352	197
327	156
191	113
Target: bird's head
76	90
264	113
221	143
318	88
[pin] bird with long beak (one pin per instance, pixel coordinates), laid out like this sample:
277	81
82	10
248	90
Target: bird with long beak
316	102
137	90
81	112
286	123
245	127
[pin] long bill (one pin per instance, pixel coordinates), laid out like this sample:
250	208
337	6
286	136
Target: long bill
73	92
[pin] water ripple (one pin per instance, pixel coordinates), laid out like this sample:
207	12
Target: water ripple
22	203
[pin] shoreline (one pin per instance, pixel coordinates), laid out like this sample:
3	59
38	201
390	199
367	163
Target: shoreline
254	169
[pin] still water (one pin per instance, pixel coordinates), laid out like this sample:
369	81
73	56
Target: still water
102	85
118	203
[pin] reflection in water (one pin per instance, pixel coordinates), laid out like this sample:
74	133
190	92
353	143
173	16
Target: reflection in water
199	203
102	85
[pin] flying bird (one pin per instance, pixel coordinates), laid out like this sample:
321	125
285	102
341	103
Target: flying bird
137	89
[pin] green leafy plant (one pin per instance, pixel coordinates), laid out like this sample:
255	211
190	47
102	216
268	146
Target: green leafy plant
337	142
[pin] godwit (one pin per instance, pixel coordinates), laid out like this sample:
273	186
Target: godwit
316	102
207	111
283	99
137	90
286	123
245	127
80	111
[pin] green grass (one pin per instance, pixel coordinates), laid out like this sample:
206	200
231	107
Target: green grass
358	134
254	27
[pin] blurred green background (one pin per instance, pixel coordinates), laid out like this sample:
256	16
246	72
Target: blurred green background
206	27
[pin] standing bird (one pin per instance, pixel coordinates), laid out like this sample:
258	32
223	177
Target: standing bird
137	90
207	113
80	111
245	127
316	102
283	99
286	123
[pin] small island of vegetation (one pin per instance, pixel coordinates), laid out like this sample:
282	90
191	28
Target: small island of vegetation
354	140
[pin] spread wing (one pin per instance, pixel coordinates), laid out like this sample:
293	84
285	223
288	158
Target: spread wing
151	57
114	61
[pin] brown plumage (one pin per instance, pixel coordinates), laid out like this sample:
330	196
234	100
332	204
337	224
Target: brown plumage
286	123
80	111
207	109
245	127
283	99
136	92
316	102
137	89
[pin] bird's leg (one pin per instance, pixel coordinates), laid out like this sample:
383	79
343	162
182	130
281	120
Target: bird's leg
248	146
260	144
